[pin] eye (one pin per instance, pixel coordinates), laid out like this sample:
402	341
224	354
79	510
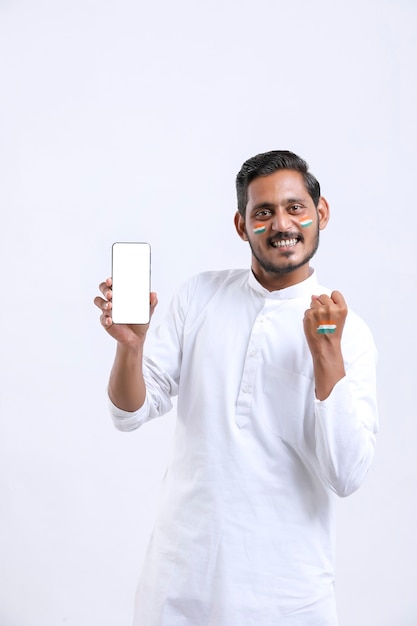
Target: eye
263	213
296	208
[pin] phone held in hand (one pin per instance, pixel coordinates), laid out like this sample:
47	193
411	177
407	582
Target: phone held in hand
131	275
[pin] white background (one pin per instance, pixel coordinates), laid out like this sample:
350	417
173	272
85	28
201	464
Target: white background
129	121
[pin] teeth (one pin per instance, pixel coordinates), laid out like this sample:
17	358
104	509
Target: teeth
284	244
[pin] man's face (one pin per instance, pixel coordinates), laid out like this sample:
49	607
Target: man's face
281	225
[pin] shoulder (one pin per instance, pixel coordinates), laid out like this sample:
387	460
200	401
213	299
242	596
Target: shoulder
357	326
200	289
357	338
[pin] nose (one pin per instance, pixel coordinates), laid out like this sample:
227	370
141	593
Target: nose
282	222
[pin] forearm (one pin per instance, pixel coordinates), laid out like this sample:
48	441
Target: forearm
126	385
328	369
346	425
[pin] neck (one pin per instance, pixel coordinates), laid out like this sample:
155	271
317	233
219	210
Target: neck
273	281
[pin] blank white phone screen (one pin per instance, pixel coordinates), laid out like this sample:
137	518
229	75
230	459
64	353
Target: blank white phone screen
131	271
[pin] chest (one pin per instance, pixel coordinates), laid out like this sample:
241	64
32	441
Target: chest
236	333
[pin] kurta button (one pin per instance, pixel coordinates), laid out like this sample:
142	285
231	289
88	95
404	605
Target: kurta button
241	420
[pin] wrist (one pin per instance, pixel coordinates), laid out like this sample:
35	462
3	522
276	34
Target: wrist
131	348
326	350
329	368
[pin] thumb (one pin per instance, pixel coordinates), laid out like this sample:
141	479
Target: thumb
153	301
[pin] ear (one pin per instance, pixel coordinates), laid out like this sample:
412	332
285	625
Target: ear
323	212
240	226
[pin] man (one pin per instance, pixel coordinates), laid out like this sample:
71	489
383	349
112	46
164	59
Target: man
276	413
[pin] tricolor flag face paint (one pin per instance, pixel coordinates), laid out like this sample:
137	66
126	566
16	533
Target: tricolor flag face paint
259	228
306	222
326	328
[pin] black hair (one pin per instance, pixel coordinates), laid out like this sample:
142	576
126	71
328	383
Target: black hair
268	163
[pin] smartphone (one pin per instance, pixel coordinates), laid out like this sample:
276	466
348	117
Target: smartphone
131	274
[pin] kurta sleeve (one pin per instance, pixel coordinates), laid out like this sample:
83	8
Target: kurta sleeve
346	423
161	365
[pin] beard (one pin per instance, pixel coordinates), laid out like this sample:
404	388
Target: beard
286	268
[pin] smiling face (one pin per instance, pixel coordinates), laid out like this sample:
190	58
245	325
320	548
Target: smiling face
282	227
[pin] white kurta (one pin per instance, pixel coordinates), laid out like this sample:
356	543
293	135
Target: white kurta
245	533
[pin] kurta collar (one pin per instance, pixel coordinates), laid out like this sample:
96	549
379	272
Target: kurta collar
306	288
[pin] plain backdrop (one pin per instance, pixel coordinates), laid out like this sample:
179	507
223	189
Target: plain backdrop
129	120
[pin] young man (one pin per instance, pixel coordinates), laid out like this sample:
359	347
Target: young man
276	413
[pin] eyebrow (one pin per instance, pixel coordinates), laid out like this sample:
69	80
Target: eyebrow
263	205
269	205
294	201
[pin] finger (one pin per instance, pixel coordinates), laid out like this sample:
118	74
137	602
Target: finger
338	299
322	299
103	287
106	320
106	290
153	301
325	299
102	304
315	302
